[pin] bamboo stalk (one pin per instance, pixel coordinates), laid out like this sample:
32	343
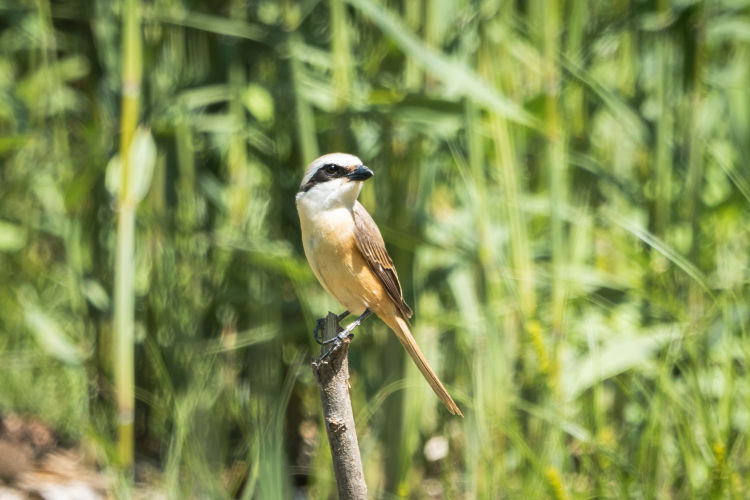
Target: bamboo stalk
504	161
124	252
341	54
555	159
123	357
304	112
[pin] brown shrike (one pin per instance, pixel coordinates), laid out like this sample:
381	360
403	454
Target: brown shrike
347	253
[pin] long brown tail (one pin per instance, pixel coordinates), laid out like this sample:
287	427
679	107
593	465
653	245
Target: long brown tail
399	326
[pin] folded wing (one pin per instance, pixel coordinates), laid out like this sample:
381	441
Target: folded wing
370	243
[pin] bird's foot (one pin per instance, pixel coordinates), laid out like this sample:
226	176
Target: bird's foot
347	333
319	326
337	342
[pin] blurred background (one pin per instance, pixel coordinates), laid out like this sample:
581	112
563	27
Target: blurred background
560	184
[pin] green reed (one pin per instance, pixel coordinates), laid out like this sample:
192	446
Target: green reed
561	186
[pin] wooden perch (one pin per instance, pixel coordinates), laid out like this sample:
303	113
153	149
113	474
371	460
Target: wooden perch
332	373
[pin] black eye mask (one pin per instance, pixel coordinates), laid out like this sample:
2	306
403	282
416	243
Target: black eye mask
327	172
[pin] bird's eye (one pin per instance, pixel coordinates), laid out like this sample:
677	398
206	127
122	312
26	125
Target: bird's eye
331	168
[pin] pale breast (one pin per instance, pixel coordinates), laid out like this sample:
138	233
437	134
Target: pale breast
331	250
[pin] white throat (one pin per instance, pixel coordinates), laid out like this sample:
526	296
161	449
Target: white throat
338	193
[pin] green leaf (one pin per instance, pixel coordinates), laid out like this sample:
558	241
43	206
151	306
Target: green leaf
142	159
51	337
12	237
96	294
456	75
258	102
621	354
142	154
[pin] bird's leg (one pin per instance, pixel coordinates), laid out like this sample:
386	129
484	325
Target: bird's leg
354	324
319	326
346	334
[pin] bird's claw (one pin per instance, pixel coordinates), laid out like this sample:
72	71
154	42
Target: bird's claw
337	342
320	324
316	332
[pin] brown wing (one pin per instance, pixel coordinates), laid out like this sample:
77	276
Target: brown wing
372	246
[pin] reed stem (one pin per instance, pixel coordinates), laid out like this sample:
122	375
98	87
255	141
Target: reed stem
124	252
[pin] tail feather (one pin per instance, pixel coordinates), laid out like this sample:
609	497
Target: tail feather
401	329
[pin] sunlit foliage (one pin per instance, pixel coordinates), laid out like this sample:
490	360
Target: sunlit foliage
563	186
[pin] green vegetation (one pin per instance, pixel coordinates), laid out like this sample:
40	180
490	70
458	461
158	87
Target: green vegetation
561	185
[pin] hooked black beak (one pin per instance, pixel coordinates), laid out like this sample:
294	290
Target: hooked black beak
361	173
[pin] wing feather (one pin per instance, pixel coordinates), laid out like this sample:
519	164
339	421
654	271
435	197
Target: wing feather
370	243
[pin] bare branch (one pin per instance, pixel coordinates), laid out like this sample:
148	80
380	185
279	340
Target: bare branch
332	373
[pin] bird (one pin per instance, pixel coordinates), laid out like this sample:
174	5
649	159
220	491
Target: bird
347	254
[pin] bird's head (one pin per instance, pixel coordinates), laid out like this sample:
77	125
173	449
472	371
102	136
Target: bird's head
332	180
